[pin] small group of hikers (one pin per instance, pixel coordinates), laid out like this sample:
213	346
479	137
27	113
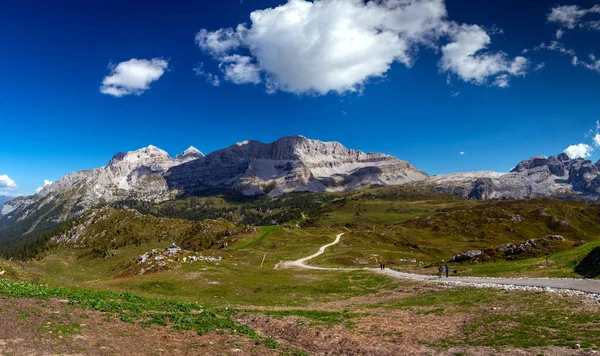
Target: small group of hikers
382	266
442	269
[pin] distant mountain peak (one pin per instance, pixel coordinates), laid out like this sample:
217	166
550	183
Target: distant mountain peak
190	154
192	150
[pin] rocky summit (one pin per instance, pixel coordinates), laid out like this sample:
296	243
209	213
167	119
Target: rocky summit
290	164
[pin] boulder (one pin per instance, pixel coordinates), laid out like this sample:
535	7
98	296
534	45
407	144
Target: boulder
466	256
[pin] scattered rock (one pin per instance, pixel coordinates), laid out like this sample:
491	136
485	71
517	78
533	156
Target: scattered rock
553	238
466	255
412	260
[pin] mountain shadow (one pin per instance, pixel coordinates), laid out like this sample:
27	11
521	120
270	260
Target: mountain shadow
589	267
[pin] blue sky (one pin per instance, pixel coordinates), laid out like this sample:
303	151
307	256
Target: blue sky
393	82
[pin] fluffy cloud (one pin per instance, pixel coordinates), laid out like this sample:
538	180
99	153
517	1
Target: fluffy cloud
579	151
240	69
597	140
46	182
570	16
463	56
7	185
340	45
133	76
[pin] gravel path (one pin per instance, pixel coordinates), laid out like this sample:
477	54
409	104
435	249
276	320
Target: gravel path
581	285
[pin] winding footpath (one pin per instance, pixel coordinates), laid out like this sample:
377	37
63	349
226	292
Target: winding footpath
591	286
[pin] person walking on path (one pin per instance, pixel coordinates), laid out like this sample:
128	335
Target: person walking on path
447	270
440	271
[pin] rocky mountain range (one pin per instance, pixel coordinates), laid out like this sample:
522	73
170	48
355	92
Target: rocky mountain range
555	176
290	164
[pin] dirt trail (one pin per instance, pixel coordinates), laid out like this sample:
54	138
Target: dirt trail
301	262
582	285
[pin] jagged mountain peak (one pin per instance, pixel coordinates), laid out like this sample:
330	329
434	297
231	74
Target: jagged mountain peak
190	154
192	150
143	154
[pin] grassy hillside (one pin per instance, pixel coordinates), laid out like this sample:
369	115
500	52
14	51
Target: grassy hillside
388	223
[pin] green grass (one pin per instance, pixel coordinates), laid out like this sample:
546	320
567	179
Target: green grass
143	310
265	231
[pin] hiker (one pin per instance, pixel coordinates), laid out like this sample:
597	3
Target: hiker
447	270
440	271
383	266
173	245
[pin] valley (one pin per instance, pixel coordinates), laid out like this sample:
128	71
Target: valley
299	311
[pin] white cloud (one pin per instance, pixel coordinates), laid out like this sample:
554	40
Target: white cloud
133	76
567	16
502	81
339	45
46	182
7	183
579	151
461	153
555	46
592	25
571	16
539	67
240	69
463	56
597	140
211	78
593	64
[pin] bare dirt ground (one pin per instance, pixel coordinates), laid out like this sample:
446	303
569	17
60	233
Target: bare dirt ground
381	332
50	327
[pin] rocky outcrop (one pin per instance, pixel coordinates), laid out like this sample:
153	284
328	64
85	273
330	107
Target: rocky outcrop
290	164
465	256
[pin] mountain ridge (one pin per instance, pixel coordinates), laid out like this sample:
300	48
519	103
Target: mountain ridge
250	168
